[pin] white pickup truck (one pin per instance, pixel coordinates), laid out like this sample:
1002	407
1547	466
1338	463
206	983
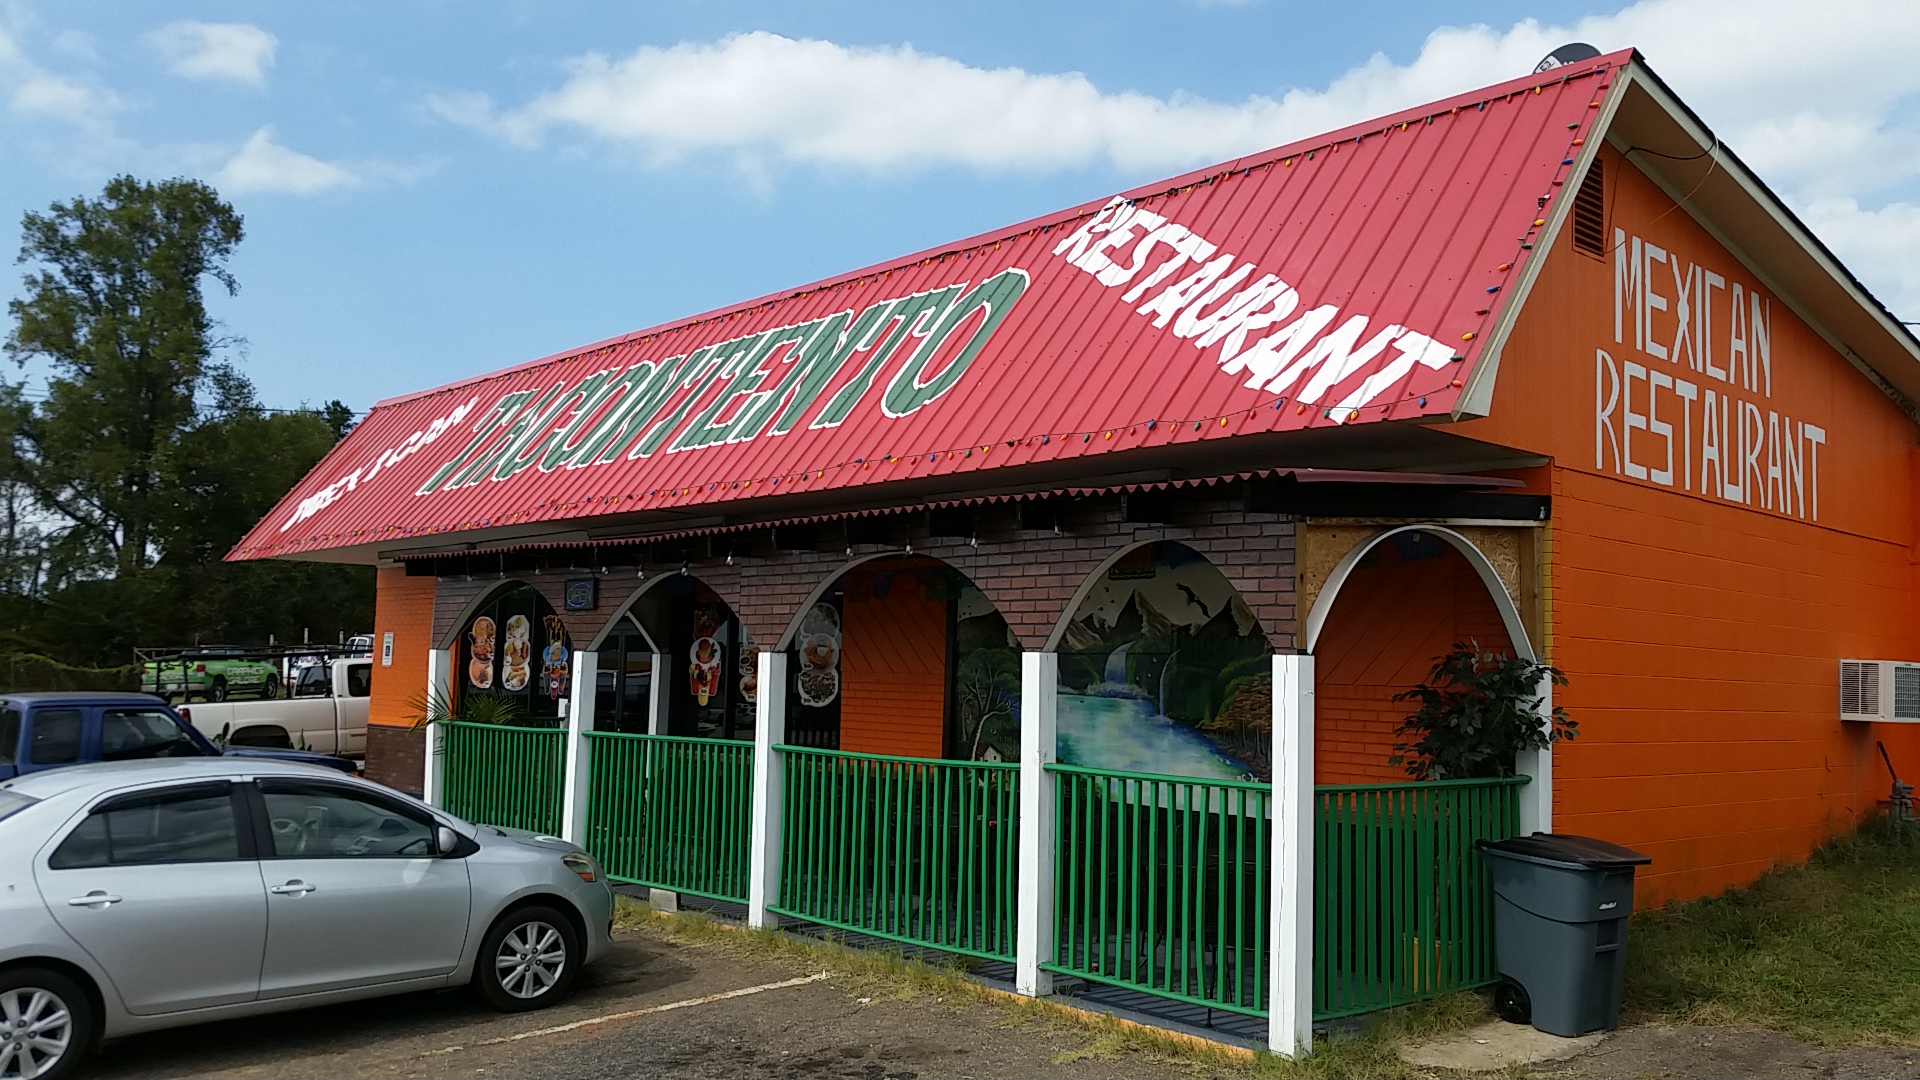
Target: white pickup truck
326	713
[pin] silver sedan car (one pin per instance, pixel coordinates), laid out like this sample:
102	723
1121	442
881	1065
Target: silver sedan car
148	894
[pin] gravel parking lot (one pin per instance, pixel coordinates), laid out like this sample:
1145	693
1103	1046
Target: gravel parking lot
815	1029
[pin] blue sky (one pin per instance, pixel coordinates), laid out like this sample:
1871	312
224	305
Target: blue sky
434	190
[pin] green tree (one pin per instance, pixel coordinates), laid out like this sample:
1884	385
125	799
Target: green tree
150	457
116	309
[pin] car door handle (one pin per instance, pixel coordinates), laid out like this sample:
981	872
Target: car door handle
292	888
94	899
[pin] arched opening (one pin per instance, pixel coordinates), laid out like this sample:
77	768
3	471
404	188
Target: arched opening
513	647
905	656
1406	598
677	661
1164	669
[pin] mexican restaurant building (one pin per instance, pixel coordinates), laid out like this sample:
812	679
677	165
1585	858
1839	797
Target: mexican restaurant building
1042	597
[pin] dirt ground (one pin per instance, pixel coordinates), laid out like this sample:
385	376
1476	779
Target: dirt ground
817	1030
1709	1053
823	1029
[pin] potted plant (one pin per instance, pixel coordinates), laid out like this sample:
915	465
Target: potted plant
1478	712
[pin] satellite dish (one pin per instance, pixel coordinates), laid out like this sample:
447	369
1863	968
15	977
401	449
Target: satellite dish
1571	53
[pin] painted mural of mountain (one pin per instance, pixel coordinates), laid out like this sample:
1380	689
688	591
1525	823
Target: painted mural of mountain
1170	634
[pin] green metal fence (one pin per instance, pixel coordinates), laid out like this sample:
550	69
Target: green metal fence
911	849
512	777
1160	885
1403	908
671	812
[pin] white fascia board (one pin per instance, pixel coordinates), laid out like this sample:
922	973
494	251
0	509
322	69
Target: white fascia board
1476	398
1724	162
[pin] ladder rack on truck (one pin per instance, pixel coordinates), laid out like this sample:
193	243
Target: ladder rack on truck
217	672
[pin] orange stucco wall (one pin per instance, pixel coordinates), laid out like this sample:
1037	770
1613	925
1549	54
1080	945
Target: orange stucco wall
402	606
1389	622
1701	626
893	682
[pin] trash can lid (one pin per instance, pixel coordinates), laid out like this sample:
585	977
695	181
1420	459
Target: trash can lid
1565	850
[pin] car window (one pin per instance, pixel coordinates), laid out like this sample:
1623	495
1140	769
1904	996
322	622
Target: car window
56	737
130	734
182	825
321	821
359	680
12	802
313	682
9	734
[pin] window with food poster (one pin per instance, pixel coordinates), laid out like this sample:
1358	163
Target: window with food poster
709	667
516	648
813	696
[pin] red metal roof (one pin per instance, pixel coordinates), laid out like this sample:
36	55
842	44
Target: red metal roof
1349	278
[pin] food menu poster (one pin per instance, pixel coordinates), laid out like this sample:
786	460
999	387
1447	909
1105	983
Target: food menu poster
819	674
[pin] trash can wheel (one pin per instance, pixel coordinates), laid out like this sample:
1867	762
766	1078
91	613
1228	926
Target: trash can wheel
1510	1003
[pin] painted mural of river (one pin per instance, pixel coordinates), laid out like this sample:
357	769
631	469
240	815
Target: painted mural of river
1123	734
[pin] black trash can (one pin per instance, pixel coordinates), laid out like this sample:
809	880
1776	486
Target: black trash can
1560	929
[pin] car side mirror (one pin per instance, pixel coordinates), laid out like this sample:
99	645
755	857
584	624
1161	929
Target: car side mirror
445	840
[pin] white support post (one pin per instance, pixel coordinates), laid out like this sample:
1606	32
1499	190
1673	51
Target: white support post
1536	797
1290	899
439	688
769	730
659	899
657	696
1034	929
579	703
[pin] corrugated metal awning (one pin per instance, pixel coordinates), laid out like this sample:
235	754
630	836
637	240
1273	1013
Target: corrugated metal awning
1304	476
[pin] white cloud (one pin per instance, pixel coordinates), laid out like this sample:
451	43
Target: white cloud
1816	98
1880	245
768	99
32	91
266	167
222	52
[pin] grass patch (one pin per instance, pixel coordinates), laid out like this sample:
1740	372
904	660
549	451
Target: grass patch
1825	952
889	974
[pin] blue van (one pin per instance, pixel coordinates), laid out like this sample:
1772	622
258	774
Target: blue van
51	730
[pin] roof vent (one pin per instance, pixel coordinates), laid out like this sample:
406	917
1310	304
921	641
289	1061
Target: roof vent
1590	211
1571	53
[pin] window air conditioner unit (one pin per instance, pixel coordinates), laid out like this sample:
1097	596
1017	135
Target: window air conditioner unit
1887	691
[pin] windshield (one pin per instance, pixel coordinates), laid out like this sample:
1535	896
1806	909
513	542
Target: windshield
12	803
132	734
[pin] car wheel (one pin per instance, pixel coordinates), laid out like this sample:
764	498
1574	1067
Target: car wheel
271	688
528	960
218	691
46	1024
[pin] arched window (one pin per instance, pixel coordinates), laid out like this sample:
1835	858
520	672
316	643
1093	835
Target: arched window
516	648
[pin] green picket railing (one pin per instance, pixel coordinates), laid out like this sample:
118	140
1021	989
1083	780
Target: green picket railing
915	850
1160	885
671	812
1403	907
513	777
